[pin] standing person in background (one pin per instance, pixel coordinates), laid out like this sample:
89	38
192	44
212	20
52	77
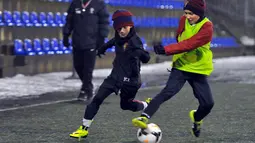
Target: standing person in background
88	22
192	62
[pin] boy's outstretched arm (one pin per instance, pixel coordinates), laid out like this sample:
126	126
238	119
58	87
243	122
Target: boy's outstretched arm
104	47
202	37
140	52
144	56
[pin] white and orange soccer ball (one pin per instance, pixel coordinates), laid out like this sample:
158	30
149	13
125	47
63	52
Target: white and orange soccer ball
152	134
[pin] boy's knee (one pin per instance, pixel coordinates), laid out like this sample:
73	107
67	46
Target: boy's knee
208	106
124	106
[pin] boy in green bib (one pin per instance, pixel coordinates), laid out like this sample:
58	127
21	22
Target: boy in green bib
192	62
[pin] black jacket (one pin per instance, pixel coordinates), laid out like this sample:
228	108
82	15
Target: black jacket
127	62
87	26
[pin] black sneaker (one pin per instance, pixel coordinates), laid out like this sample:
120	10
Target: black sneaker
82	96
196	129
89	94
86	95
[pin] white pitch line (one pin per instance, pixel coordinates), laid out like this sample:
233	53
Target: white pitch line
39	104
59	101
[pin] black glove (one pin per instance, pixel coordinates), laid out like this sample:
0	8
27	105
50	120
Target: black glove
159	48
100	42
101	51
66	41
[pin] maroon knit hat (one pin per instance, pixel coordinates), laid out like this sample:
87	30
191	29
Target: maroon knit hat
122	18
196	6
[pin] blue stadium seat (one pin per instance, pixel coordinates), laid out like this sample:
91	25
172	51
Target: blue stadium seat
167	41
64	17
28	46
8	18
233	42
111	49
58	19
144	42
63	48
1	19
177	4
26	19
55	46
34	19
63	0
18	47
38	47
50	19
226	42
111	22
47	47
215	43
17	18
137	20
43	19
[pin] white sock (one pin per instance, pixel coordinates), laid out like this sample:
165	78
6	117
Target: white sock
86	122
146	115
145	104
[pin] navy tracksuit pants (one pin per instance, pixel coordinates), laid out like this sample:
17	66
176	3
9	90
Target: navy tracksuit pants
177	79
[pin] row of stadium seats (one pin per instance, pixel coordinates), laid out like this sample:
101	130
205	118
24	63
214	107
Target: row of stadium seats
58	19
163	22
216	42
40	47
55	46
47	46
159	4
25	18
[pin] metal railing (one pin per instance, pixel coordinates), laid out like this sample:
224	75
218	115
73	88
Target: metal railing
237	14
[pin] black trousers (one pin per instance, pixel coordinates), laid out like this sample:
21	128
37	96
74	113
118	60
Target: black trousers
109	86
177	79
84	64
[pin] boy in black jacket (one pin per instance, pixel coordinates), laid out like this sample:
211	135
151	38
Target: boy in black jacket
125	75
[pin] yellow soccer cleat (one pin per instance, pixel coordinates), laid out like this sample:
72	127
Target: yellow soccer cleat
196	124
80	133
140	122
148	100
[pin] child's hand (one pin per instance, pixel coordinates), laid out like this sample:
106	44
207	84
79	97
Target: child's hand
66	41
100	52
100	42
159	48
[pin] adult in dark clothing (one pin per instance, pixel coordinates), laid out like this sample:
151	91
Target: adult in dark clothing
125	75
87	21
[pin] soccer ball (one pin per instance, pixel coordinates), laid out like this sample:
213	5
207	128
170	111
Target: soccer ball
152	134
